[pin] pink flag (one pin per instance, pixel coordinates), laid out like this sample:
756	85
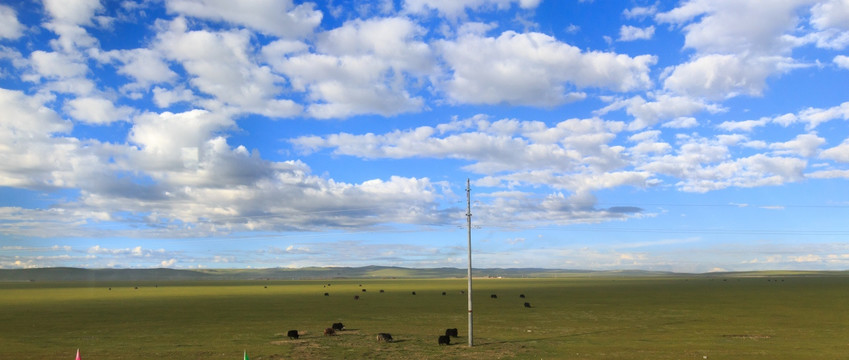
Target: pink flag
78	355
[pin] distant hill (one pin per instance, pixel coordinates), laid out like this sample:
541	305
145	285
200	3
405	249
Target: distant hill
373	272
377	272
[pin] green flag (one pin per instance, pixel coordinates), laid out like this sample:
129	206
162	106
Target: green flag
246	355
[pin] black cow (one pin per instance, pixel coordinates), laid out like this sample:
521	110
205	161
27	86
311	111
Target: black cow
381	290
522	296
414	292
527	305
451	332
338	326
493	296
292	334
326	294
444	340
356	297
444	293
384	337
364	290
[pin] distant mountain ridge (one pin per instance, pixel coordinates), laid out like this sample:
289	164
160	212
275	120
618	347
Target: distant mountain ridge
164	274
370	272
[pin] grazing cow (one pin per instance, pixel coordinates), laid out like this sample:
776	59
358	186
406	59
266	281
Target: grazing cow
292	334
356	297
384	337
329	332
527	305
451	332
326	294
444	293
381	290
364	290
338	326
493	296
414	292
522	296
444	340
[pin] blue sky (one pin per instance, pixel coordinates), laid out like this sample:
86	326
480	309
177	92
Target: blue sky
688	136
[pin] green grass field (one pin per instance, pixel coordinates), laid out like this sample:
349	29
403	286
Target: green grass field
777	317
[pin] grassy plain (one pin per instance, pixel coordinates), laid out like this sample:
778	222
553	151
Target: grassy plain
677	317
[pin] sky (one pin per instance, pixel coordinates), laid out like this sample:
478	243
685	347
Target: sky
687	136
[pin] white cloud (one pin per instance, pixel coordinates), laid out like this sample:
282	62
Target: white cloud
838	153
534	69
830	17
220	65
724	76
99	111
736	27
504	145
163	98
10	28
805	145
745	125
631	33
682	122
57	65
79	12
457	8
167	133
703	165
68	19
842	61
363	67
145	66
813	117
281	18
831	14
739	44
664	107
640	12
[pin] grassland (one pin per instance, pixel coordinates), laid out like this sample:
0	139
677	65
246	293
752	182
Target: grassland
781	316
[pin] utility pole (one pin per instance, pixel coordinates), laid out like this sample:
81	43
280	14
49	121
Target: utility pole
469	223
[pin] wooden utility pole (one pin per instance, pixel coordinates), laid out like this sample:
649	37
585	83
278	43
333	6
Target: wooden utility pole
469	223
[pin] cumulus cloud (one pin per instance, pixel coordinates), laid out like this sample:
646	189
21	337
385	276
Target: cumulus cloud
362	67
98	111
719	77
804	145
10	28
703	165
503	145
738	46
534	69
457	8
279	18
830	18
838	153
842	61
640	12
220	65
663	107
631	33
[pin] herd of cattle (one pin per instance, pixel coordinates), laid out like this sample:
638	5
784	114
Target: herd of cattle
381	337
386	337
